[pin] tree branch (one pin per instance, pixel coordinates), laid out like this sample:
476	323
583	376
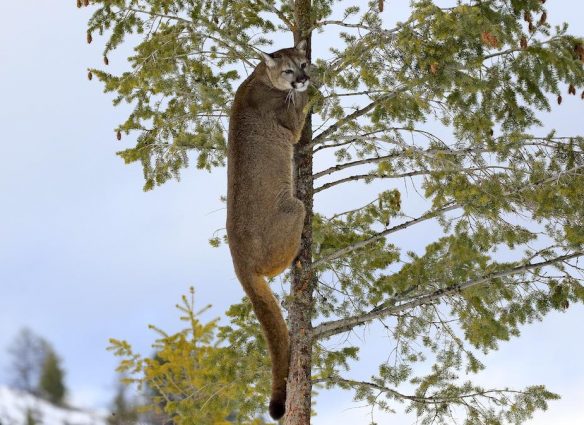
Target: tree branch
370	176
520	49
328	329
416	399
349	140
340	167
354	115
429	215
373	176
366	109
348	118
291	26
343	24
158	15
397	154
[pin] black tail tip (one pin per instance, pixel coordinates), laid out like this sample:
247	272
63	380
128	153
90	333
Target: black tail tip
277	409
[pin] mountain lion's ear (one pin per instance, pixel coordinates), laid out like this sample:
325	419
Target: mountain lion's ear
301	47
269	60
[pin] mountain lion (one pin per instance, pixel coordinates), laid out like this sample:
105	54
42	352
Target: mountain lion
264	219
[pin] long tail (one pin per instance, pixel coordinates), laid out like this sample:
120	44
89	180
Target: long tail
269	314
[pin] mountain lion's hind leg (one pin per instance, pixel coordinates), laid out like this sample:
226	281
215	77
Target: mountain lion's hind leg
283	236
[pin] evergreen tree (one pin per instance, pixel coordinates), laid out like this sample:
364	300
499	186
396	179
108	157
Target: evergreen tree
450	99
51	384
195	378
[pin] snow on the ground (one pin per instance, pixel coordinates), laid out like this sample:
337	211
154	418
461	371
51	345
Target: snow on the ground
16	405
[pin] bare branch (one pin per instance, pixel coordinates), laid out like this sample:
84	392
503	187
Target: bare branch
328	329
371	177
416	399
158	15
356	93
397	154
349	139
342	24
340	167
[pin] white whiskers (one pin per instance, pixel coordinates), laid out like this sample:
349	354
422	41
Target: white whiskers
290	97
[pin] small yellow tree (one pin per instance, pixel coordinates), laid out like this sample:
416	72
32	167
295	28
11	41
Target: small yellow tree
201	374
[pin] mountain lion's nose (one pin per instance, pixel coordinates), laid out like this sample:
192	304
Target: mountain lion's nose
302	79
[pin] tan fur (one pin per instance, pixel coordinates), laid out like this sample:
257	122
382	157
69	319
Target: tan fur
264	219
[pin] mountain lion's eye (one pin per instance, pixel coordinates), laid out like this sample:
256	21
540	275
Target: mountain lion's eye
303	65
289	71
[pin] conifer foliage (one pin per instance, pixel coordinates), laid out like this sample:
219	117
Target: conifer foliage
51	384
443	115
200	375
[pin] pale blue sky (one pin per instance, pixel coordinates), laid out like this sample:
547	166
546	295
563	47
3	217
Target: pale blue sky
85	255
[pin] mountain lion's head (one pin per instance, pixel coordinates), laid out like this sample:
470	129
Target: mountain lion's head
287	68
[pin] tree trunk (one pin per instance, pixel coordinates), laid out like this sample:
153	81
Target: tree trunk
300	307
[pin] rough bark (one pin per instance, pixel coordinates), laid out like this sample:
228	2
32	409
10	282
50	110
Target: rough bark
301	306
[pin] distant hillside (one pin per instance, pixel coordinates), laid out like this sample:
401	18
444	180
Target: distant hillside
16	406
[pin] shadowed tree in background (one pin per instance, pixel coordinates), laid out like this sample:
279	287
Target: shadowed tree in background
441	115
51	385
36	368
27	352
